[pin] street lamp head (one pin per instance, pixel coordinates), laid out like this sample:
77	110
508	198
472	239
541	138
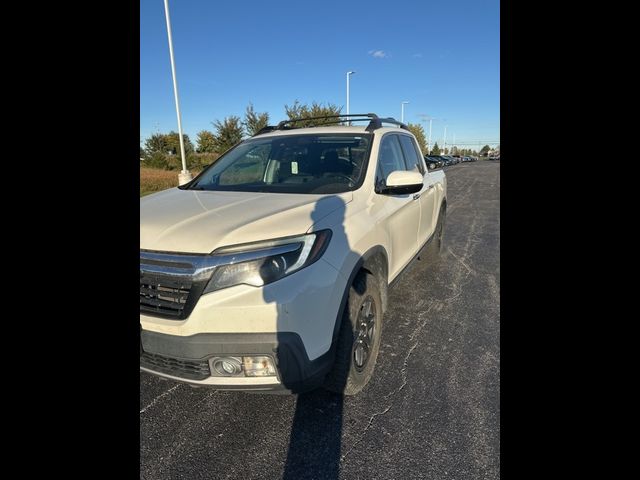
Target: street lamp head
351	73
405	102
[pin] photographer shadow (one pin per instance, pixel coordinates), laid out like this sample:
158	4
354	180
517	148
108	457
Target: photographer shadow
315	441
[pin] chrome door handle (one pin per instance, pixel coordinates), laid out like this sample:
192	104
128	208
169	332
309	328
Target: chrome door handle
416	196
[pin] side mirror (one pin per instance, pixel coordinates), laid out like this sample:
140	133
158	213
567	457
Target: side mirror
402	182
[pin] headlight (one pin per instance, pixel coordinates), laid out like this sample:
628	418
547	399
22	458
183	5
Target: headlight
261	263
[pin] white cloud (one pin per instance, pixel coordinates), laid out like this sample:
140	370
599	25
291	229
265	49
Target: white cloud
378	54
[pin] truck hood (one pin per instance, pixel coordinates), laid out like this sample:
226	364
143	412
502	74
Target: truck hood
193	221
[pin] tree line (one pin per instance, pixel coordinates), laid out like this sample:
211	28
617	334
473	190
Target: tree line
162	150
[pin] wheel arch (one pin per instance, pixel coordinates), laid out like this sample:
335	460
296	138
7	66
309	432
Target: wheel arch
374	261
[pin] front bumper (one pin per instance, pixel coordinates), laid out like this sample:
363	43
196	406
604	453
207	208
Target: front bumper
186	359
291	320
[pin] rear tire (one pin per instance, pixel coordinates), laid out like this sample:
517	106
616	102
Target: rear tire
359	337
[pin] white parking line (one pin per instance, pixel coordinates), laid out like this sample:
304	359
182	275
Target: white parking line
155	400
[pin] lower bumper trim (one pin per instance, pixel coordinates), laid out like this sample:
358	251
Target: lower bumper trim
233	383
296	373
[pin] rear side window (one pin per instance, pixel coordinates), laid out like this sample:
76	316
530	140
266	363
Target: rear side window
414	162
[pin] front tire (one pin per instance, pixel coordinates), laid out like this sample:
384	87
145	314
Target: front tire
359	337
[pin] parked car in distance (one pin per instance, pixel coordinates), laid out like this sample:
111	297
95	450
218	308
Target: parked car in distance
445	161
433	162
269	271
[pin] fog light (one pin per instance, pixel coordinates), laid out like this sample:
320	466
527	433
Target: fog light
229	367
226	366
258	366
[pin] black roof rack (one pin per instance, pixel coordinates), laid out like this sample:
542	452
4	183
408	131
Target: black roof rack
375	122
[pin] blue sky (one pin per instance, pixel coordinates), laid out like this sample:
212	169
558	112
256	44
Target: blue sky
441	56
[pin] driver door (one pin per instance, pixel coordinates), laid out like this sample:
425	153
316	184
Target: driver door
402	211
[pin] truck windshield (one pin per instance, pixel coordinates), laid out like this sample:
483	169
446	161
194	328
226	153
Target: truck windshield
320	163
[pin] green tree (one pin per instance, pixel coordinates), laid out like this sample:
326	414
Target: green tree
418	132
436	149
167	143
173	143
297	110
156	143
485	150
206	142
228	133
254	121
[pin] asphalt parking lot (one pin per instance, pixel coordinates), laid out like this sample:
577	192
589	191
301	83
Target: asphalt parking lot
432	409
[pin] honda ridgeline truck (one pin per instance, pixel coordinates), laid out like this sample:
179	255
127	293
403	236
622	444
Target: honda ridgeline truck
269	271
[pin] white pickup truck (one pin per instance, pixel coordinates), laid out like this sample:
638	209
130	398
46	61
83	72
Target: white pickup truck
269	271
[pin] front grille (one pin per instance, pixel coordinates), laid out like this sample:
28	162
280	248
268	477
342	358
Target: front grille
171	284
164	296
189	369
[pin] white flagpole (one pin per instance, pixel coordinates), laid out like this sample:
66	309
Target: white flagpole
184	176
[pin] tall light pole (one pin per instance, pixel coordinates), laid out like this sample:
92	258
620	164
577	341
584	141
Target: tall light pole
444	148
184	176
348	76
402	114
424	117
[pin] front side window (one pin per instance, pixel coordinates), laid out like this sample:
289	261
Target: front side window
390	157
318	164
